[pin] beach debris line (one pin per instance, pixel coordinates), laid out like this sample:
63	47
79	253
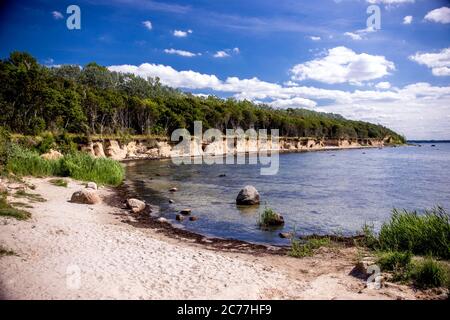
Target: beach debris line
248	196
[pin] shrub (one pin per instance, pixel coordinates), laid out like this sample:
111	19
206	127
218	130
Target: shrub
430	273
397	262
5	141
421	234
23	161
47	143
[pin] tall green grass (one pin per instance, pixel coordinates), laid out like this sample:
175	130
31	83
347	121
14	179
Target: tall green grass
422	234
80	166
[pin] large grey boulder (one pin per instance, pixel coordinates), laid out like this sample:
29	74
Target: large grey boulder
85	196
248	196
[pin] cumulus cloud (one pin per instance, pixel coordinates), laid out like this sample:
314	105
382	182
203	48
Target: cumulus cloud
343	65
441	15
181	34
353	35
57	15
383	85
147	24
407	20
226	53
418	110
221	54
315	38
182	53
439	62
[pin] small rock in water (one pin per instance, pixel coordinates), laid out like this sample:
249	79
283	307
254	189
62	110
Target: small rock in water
179	217
162	220
285	235
173	189
193	218
171	201
135	205
222	175
186	212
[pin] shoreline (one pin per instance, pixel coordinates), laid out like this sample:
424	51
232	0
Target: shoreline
118	260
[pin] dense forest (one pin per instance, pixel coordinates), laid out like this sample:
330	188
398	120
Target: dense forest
93	100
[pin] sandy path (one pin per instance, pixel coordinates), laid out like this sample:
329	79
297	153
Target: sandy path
72	251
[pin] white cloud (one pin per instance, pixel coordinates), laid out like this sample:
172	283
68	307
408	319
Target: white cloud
57	15
389	2
407	20
383	85
315	38
182	53
441	15
181	34
226	53
147	24
343	65
352	35
438	62
293	103
221	54
417	110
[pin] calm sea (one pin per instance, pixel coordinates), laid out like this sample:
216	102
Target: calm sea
316	192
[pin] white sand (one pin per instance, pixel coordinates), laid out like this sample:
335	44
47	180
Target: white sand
73	251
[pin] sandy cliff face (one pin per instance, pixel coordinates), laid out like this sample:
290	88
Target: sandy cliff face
160	149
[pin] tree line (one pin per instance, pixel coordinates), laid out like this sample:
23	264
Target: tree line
93	100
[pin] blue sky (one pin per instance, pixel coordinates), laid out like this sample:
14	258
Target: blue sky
314	54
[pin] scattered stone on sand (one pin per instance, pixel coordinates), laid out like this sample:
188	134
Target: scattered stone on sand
179	217
361	268
85	196
162	220
91	185
186	212
285	235
173	189
248	196
193	218
52	155
135	205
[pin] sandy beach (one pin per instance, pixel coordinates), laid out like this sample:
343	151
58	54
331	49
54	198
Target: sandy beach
77	251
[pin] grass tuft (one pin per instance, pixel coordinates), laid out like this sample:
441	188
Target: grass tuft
426	234
430	273
59	182
78	165
6	210
6	252
301	249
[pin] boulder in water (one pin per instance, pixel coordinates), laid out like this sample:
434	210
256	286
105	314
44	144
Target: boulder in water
248	196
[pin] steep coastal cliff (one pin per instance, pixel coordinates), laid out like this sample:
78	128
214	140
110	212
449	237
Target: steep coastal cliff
164	148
